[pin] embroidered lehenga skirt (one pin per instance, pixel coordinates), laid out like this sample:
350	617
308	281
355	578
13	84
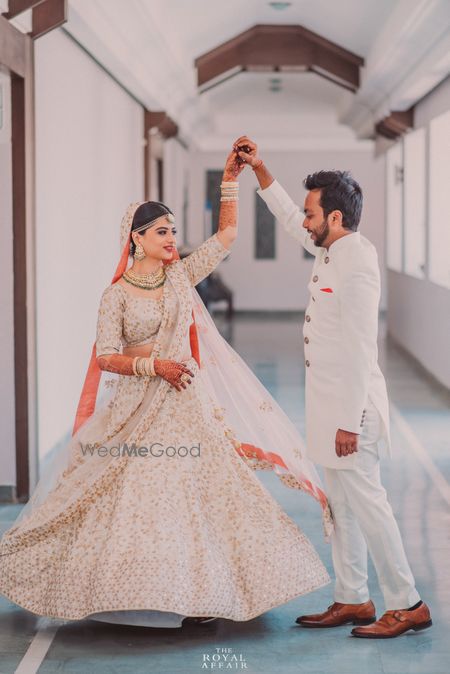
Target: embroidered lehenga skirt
185	528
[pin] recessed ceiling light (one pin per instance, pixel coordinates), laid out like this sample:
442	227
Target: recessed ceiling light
275	84
280	5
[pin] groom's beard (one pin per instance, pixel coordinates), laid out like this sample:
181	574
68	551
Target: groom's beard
322	234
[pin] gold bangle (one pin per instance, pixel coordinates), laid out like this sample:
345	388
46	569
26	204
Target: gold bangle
139	366
134	364
146	368
152	366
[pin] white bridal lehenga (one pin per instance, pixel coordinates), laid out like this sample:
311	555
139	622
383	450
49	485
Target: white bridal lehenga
148	538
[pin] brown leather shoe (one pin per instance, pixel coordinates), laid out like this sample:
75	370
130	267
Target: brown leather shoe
394	623
341	614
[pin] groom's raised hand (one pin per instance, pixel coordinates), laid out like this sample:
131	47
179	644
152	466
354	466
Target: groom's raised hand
346	443
247	151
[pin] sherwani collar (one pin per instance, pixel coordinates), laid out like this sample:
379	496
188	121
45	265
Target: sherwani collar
343	241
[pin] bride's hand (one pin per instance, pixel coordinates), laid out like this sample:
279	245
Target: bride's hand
233	166
172	371
247	151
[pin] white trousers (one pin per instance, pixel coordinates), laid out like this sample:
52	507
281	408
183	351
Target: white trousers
364	521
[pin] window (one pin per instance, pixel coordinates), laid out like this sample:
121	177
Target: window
415	202
439	181
264	232
212	206
394	206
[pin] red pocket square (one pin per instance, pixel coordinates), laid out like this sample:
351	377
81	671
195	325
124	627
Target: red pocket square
327	290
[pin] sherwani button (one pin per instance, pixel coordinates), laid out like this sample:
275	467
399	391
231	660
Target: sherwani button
306	340
313	299
307	363
307	318
327	259
315	279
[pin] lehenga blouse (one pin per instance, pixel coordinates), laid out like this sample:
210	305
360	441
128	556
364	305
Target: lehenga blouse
130	320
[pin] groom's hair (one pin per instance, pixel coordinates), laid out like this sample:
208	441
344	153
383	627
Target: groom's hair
338	191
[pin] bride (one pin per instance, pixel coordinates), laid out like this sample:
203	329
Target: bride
152	512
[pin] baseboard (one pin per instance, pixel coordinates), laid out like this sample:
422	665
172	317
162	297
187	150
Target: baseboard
420	367
8	493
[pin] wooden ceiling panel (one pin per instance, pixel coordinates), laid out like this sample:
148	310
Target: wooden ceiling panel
273	48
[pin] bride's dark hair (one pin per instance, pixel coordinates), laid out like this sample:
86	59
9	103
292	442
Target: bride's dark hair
147	213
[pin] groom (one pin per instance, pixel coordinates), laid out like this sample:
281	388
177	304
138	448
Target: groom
347	413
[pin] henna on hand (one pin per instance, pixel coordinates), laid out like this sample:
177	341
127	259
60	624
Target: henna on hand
171	371
247	151
227	215
228	209
116	362
233	166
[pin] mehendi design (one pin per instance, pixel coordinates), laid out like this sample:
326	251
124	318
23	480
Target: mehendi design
116	362
172	372
227	215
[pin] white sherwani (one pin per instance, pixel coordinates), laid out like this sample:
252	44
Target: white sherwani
345	389
340	335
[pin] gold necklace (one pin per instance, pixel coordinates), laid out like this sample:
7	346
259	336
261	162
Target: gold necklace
150	281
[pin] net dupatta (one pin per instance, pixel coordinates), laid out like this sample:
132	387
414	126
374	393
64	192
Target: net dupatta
96	383
261	432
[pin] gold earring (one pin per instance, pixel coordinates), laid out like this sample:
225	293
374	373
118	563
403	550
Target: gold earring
139	253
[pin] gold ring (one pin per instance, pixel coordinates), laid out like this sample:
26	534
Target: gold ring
184	377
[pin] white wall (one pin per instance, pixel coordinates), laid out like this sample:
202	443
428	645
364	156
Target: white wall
7	412
419	320
281	284
89	167
419	310
176	177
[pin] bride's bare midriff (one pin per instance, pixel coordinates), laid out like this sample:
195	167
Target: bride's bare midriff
145	350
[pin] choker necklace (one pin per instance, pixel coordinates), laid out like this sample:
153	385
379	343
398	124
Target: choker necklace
148	281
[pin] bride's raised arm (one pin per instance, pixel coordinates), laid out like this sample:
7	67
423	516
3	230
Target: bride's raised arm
204	259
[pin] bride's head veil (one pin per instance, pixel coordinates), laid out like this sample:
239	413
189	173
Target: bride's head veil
261	433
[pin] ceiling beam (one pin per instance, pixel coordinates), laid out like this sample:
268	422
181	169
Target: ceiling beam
12	47
395	124
48	15
272	48
16	7
161	121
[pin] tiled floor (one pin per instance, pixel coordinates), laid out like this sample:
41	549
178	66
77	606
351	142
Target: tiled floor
273	643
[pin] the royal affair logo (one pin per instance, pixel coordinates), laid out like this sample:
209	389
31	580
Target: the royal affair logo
225	659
